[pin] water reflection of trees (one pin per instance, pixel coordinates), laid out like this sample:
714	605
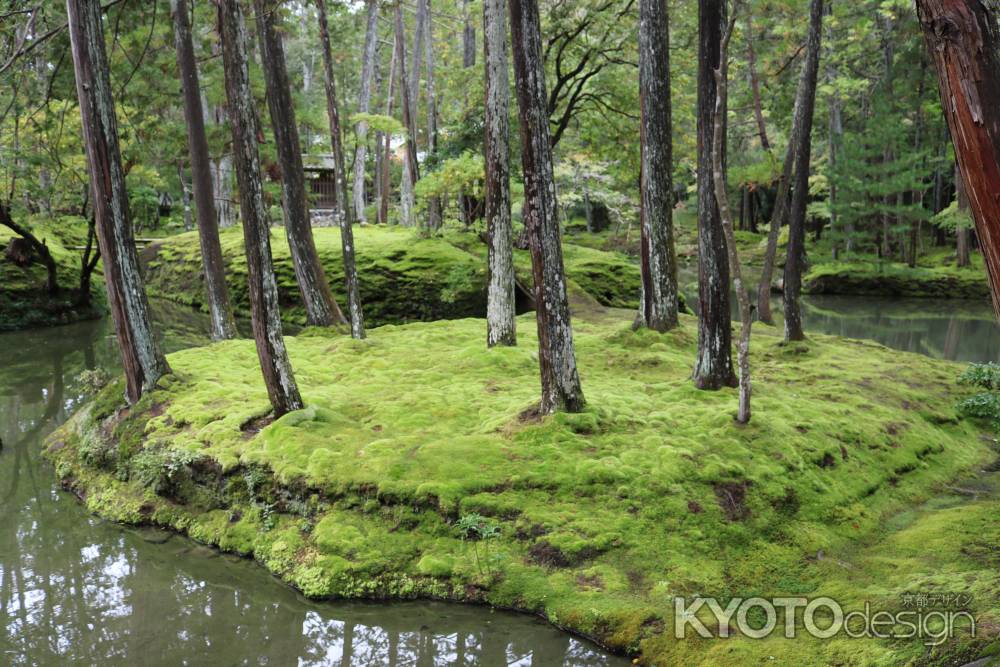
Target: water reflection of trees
77	590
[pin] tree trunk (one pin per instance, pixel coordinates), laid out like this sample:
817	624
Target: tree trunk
726	217
275	365
964	44
88	262
714	368
556	355
416	61
835	134
800	196
411	171
223	322
385	150
321	309
364	106
39	248
659	261
755	84
434	208
468	38
962	232
500	305
344	213
142	358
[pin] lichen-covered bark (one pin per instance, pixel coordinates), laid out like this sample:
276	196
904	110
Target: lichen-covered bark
321	309
142	357
659	262
806	105
556	355
364	106
275	365
344	216
726	217
962	38
219	307
714	366
500	305
411	171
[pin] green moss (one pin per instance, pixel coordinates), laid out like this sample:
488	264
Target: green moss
601	518
869	277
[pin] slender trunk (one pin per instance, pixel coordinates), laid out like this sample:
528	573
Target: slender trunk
800	197
223	322
39	248
88	262
714	368
275	365
411	172
962	232
142	358
185	198
468	37
434	216
416	60
889	202
835	133
556	355
364	106
659	297
755	83
500	304
321	309
726	217
344	213
386	148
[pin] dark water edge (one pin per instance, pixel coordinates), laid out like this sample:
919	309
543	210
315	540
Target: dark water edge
78	590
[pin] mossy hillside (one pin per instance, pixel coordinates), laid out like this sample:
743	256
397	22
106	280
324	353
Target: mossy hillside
24	299
403	277
601	517
870	277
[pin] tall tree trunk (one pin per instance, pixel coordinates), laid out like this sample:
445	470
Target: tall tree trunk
142	358
726	217
364	106
185	198
416	61
344	213
219	308
411	171
468	37
714	368
835	138
386	149
500	304
962	233
755	84
434	208
659	261
800	196
275	365
321	309
964	44
556	355
890	200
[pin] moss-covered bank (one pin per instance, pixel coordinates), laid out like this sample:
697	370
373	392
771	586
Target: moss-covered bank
403	277
418	474
871	278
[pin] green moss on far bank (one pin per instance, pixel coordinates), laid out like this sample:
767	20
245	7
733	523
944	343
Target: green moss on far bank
594	520
870	277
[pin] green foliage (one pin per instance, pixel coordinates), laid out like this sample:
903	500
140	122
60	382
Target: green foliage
463	174
985	375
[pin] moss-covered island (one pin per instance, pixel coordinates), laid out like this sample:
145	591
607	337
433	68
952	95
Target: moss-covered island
417	471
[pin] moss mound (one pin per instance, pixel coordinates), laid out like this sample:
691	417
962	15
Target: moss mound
403	277
420	475
894	279
24	300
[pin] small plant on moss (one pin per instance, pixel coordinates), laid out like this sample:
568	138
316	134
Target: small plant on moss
94	380
162	470
478	529
255	479
984	405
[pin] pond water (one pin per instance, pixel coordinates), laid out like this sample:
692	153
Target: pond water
75	589
78	590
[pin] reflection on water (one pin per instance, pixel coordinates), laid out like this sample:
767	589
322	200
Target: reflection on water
77	590
954	329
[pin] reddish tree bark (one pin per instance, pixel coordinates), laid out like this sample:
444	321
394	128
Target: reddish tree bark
556	355
142	357
962	38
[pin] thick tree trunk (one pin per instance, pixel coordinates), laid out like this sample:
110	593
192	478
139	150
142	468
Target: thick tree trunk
758	109
964	44
434	208
321	309
142	358
800	196
726	217
411	171
344	213
219	308
500	304
556	355
714	368
468	37
275	365
364	106
659	262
